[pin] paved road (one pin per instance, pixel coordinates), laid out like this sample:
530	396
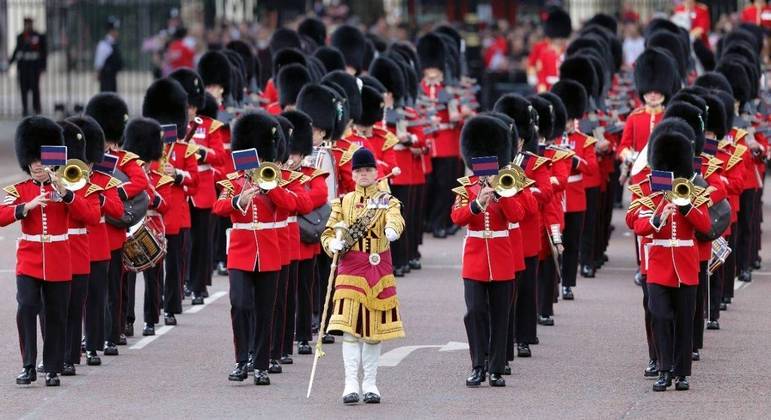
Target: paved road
587	366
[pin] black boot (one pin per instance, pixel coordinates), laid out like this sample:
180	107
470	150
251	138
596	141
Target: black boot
110	349
415	264
567	293
352	398
222	269
406	268
523	350
713	325
169	319
757	263
304	348
587	271
745	276
274	367
68	369
440	233
497	380
186	292
197	300
27	376
261	377
695	356
651	371
40	368
129	330
52	379
239	373
250	363
328	339
545	320
453	229
148	330
663	382
398	272
507	368
93	359
371	398
476	378
122	341
681	383
723	306
286	360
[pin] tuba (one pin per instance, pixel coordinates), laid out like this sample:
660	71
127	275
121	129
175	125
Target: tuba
681	192
74	174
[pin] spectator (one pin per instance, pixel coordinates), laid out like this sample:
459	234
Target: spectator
180	52
634	43
30	56
108	61
758	13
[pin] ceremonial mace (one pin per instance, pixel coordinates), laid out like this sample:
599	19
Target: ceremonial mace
341	228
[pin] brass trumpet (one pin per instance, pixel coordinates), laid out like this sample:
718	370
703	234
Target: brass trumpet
681	192
74	174
266	176
509	181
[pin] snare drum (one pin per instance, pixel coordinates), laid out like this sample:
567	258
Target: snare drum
145	245
720	252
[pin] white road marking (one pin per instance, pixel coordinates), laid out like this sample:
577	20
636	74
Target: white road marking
395	356
166	328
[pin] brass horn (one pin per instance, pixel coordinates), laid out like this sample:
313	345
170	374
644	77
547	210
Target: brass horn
266	176
681	191
74	174
509	181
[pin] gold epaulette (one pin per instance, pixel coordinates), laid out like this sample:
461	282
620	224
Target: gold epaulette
722	144
191	149
140	162
215	125
634	205
164	180
293	176
233	175
590	141
305	179
92	188
12	191
740	133
702	198
128	157
317	173
636	189
112	183
348	154
736	157
460	191
464	181
528	182
390	140
226	184
711	170
647	201
560	154
539	161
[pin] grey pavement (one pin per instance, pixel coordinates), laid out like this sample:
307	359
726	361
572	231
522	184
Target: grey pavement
589	365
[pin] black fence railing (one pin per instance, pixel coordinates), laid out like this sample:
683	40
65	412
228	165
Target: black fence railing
73	28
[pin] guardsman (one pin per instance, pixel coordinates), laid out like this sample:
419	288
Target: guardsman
584	161
673	259
145	138
99	244
290	80
546	55
208	140
366	307
488	286
80	257
314	181
214	69
166	102
31	55
42	282
254	259
111	112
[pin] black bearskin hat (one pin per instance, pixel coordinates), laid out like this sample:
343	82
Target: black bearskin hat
432	52
94	137
316	69
284	38
694	117
485	135
521	111
331	57
74	139
737	77
655	71
318	102
111	112
193	85
370	81
214	69
560	113
581	70
344	116
573	96
301	141
257	130
352	91
33	133
545	112
606	21
247	56
210	107
728	107
716	118
286	130
714	81
670	42
511	129
291	79
287	56
351	42
704	54
371	107
145	138
387	72
314	29
558	24
166	102
671	152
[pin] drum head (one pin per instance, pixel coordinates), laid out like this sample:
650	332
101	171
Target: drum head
133	229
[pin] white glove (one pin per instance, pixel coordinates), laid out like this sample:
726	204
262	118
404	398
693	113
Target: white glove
336	245
391	234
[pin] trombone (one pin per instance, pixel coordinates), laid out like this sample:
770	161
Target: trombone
509	181
682	189
74	174
265	176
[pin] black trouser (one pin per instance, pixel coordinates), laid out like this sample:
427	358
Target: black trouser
757	221
715	293
415	220
547	275
280	312
291	309
108	81
511	328
128	299
444	176
113	310
200	257
486	320
745	234
324	265
306	280
221	225
74	326
673	305
699	308
588	231
152	305
51	297
400	249
172	287
29	81
571	236
652	353
95	305
184	264
730	269
526	318
251	312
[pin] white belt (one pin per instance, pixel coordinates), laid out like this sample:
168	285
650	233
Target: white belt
259	225
204	167
43	238
291	219
513	226
153	213
575	178
485	234
672	243
81	231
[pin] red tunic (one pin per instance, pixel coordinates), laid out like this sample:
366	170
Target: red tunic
208	135
760	16
711	172
734	173
545	59
99	242
342	152
316	186
130	165
752	179
80	254
43	250
584	163
254	243
183	159
637	128
699	18
446	141
537	169
294	184
487	245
